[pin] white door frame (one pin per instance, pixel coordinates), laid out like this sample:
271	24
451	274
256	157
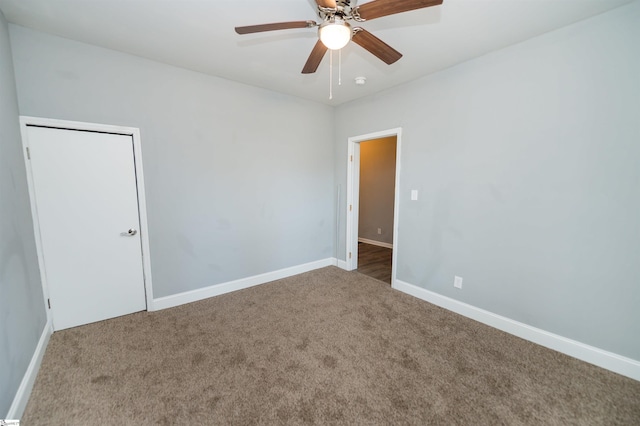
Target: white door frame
26	121
353	198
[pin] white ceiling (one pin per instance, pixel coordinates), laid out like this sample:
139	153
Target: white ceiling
199	35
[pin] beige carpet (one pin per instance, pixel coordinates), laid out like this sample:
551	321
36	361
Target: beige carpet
325	347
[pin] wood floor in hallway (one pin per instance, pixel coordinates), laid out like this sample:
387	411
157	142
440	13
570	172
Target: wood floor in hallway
375	261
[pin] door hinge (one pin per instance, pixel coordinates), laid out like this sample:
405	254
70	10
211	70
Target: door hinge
28	154
350	207
349	255
49	303
351	158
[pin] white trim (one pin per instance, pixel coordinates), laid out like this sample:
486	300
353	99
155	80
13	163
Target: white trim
396	208
341	264
34	219
353	188
375	243
144	224
16	410
218	289
142	206
608	360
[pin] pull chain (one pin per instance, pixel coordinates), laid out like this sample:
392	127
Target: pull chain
340	67
330	74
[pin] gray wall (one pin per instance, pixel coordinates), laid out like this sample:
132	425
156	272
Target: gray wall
22	314
239	180
377	189
526	161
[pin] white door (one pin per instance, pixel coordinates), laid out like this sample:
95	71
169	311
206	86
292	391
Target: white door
87	209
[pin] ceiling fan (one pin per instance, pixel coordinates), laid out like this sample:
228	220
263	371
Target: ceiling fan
334	32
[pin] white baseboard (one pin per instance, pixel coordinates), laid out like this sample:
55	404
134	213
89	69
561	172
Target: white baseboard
218	289
375	243
608	360
16	410
342	264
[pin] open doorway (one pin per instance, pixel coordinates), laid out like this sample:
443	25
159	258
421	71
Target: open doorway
372	204
375	212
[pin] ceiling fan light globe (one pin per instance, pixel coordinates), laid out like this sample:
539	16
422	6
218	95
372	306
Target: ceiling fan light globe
335	35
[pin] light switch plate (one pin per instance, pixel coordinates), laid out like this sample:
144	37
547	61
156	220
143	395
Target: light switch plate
414	194
457	281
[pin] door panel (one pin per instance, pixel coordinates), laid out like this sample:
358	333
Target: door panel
86	199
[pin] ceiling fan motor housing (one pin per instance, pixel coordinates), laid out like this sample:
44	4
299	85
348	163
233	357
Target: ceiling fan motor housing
342	10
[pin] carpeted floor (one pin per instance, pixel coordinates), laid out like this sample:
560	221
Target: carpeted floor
325	347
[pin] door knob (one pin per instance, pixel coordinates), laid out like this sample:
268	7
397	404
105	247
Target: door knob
130	233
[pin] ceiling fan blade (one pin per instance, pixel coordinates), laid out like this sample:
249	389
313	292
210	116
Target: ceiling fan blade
327	3
275	26
314	59
378	8
376	46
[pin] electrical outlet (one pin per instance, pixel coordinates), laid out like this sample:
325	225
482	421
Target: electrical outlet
457	281
379	231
